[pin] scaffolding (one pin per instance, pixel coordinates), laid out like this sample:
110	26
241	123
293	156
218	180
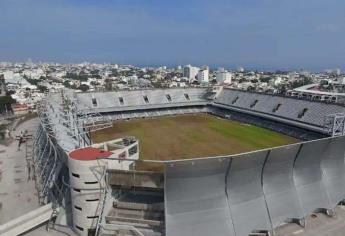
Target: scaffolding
334	124
63	127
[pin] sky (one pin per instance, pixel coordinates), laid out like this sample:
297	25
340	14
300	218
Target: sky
261	34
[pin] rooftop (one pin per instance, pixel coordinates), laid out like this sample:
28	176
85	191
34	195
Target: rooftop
89	154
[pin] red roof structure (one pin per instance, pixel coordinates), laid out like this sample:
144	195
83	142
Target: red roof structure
89	154
18	106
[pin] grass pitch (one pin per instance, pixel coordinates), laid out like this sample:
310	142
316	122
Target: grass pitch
190	136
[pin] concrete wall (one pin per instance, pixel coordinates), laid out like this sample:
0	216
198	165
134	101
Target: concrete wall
87	184
86	189
239	194
135	179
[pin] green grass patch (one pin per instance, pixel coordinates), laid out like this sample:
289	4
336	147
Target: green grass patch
191	136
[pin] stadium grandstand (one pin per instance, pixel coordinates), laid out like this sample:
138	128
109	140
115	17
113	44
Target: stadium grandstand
96	188
314	92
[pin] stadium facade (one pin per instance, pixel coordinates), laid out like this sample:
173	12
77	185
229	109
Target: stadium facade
98	190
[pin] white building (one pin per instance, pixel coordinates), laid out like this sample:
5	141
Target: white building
87	168
276	81
339	80
203	76
34	74
333	71
240	69
8	75
190	72
223	77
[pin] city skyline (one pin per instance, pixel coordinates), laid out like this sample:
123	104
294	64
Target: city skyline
269	35
232	68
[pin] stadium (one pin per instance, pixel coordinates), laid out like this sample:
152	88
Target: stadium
187	161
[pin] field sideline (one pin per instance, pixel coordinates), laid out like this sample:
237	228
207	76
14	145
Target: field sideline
190	136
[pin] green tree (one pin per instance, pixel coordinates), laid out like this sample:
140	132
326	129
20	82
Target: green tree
265	79
6	102
42	88
84	87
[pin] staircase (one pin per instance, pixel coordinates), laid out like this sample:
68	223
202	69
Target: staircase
137	214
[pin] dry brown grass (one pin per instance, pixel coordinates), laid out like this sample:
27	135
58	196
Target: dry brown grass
190	136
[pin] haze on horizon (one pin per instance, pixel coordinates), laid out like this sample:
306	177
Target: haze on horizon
268	34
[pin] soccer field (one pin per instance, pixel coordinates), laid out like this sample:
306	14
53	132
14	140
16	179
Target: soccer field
190	136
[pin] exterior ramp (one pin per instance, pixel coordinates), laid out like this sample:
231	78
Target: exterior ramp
333	170
196	202
246	197
308	176
278	184
27	221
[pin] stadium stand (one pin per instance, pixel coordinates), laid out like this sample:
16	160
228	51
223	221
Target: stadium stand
224	195
304	119
140	99
289	129
300	111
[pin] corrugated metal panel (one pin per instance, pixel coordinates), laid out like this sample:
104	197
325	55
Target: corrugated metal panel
245	192
239	194
333	170
279	187
196	203
308	176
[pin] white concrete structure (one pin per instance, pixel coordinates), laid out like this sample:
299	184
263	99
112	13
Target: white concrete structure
8	75
87	169
223	77
34	73
240	69
339	80
278	81
312	92
203	76
190	72
336	71
27	221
